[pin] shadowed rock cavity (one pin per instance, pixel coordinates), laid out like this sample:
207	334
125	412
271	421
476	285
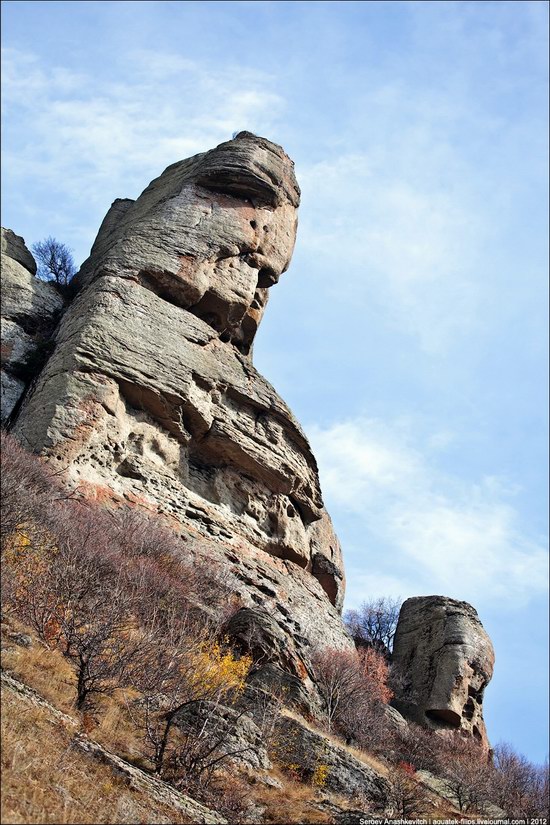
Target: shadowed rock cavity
444	660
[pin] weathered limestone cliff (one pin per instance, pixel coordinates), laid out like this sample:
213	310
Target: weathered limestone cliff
150	396
30	310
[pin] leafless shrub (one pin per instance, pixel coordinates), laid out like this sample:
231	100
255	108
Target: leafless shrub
354	689
416	746
162	569
465	771
519	786
27	487
406	797
205	743
374	623
54	261
228	793
461	765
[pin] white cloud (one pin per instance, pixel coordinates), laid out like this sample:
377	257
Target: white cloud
88	142
422	530
406	242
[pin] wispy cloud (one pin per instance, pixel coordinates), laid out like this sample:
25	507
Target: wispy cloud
89	142
424	530
407	242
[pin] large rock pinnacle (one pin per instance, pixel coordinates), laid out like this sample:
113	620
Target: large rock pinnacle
146	395
444	659
150	396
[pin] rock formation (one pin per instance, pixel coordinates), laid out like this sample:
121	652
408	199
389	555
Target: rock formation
445	659
146	395
150	396
30	310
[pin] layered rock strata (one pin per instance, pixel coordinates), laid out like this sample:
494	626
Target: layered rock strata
444	660
150	396
30	309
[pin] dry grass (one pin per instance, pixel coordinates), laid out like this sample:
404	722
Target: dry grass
42	669
292	803
50	675
45	780
116	727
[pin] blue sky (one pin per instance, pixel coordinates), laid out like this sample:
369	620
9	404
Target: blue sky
410	334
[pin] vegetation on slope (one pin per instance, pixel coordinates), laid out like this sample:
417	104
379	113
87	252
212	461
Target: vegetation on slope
124	644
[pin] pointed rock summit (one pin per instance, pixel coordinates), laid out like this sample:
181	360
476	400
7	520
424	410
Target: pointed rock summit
30	311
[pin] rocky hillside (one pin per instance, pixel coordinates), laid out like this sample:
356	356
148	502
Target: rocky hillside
138	391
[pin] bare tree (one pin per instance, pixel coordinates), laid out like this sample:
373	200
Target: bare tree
54	260
407	797
518	785
354	688
465	771
97	634
374	624
185	667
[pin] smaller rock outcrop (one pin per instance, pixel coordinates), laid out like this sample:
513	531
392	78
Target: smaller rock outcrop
30	310
444	660
230	732
331	766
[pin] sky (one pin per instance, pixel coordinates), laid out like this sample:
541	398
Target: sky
409	335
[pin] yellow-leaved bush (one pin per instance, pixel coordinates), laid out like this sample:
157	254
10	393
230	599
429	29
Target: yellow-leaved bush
216	669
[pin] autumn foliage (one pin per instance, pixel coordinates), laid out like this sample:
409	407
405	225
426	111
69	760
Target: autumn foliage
354	688
116	595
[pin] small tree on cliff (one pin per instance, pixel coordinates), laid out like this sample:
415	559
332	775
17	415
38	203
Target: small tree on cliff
374	624
54	261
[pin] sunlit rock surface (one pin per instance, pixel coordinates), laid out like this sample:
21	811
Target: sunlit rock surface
150	396
445	660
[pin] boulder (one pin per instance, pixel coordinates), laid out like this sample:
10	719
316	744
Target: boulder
227	731
444	660
297	747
